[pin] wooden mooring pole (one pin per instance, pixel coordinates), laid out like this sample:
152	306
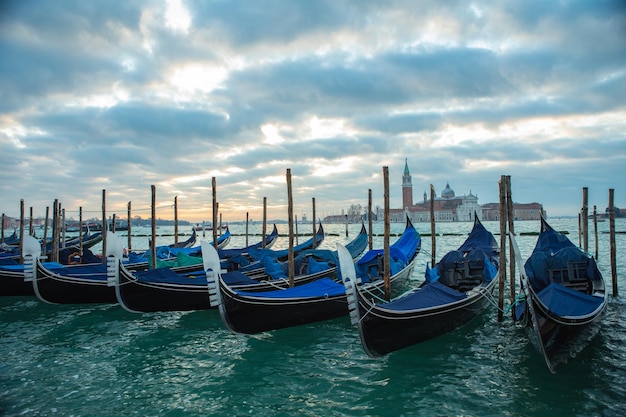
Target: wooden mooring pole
80	233
433	233
612	241
247	222
22	231
214	214
387	226
264	222
585	219
313	222
176	220
153	243
511	223
45	232
290	221
369	218
502	263
31	232
104	226
595	229
129	228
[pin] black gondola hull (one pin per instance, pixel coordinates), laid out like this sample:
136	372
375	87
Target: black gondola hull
142	297
59	289
12	284
385	331
560	338
248	315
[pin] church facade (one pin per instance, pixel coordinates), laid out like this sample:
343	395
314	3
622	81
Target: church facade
448	207
452	208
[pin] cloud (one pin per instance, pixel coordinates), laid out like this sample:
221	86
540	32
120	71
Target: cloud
121	96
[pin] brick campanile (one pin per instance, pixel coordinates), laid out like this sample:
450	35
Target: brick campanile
407	187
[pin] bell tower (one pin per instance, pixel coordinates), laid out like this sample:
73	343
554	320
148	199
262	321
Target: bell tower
407	187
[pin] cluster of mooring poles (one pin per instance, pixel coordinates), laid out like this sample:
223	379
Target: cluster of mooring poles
583	232
506	217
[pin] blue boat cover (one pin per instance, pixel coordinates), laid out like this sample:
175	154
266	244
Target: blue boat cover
20	267
235	252
566	302
479	238
259	254
430	295
167	276
400	253
539	263
96	272
324	287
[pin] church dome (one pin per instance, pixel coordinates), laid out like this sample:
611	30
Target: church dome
447	192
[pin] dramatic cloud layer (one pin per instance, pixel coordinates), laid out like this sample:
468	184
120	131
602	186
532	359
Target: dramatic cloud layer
122	95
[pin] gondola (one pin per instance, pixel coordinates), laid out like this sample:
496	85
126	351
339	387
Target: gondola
71	284
564	296
253	261
455	290
12	275
166	289
323	299
186	243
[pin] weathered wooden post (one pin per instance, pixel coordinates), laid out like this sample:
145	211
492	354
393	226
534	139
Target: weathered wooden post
369	218
129	228
113	220
247	221
595	229
153	243
585	219
214	218
290	221
387	226
313	222
58	231
580	229
104	226
502	266
295	223
30	222
346	217
2	230
264	222
22	231
511	220
45	232
433	232
176	220
612	242
80	233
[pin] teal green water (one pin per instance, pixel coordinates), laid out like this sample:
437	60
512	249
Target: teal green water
99	360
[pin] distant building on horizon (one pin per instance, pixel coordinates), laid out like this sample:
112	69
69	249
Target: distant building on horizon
450	207
521	211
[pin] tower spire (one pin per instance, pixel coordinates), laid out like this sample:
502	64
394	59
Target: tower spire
407	186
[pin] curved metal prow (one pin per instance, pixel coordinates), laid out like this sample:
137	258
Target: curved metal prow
348	276
212	268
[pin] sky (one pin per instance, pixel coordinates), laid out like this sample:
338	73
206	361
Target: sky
122	95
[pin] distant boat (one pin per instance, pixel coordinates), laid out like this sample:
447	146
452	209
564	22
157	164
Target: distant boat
457	289
565	296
